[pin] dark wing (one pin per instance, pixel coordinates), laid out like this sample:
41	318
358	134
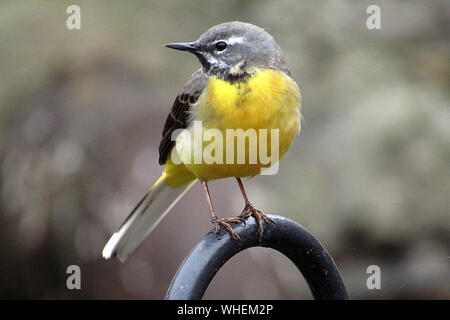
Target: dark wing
178	117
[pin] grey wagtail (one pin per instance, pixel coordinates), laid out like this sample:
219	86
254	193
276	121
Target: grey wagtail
243	85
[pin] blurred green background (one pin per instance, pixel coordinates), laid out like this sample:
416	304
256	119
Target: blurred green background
81	113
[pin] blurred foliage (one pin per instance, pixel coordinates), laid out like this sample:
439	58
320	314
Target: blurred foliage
80	119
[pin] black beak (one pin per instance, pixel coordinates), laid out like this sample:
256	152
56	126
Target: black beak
183	46
191	47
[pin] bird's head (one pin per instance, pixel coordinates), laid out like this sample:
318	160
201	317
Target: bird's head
234	49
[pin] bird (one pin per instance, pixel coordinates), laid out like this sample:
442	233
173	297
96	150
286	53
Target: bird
243	84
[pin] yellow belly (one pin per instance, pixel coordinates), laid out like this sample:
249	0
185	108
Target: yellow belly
269	100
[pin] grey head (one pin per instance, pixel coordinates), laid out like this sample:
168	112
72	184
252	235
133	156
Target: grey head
233	50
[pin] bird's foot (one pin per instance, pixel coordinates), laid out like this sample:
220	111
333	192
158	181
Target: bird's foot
250	210
225	222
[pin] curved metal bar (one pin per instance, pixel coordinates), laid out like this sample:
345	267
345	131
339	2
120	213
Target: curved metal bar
291	239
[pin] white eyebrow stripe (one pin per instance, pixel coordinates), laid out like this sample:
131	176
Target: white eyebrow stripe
233	40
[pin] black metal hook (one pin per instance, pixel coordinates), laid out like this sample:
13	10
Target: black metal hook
291	239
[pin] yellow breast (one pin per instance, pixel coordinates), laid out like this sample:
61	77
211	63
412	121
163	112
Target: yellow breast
268	99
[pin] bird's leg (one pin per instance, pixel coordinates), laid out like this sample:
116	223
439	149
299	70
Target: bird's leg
216	221
250	210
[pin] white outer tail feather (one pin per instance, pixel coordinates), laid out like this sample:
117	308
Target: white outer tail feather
143	219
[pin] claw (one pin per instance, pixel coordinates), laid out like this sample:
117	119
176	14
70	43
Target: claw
217	223
250	210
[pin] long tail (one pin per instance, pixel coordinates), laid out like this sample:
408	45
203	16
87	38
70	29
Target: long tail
143	219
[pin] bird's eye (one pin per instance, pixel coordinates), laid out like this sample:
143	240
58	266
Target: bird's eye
221	45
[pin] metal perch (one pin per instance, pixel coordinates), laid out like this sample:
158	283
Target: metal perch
291	239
